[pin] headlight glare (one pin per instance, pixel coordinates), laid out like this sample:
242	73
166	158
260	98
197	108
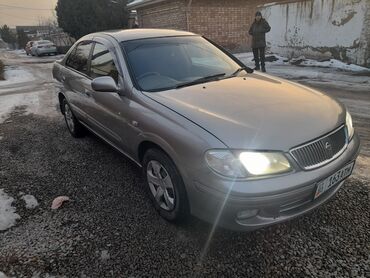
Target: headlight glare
264	163
349	125
225	163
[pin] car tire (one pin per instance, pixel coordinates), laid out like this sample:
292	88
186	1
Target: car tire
76	129
178	210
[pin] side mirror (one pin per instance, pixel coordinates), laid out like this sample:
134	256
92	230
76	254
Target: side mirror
104	84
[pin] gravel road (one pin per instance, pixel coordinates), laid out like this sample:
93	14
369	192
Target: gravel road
109	228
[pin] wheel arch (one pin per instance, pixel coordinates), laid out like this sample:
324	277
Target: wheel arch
152	141
145	145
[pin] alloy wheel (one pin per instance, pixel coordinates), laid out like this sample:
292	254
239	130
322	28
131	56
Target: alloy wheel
69	117
161	185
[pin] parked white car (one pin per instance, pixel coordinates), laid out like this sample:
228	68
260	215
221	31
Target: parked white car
43	47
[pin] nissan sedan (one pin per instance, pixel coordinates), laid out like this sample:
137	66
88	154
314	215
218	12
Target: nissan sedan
236	148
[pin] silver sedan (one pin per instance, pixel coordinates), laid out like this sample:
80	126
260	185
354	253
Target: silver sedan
216	140
43	47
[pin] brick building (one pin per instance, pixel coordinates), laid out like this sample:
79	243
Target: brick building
225	21
315	28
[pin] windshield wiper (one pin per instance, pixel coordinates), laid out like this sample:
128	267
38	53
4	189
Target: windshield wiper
248	70
201	80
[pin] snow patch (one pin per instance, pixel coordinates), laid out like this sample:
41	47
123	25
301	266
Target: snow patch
16	75
247	57
362	167
2	275
7	211
19	51
38	102
30	200
332	63
332	72
10	101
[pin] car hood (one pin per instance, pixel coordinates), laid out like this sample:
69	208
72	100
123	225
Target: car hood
256	111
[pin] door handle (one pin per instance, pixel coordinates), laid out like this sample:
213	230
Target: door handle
87	93
63	78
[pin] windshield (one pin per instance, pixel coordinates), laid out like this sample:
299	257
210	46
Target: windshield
173	62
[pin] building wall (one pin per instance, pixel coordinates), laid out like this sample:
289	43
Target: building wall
224	21
320	28
314	28
168	14
365	37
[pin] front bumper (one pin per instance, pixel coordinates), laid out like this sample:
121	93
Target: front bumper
269	201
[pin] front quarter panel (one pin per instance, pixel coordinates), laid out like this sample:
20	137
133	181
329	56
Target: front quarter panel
184	141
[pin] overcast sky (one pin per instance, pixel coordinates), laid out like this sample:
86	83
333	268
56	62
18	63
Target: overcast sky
25	12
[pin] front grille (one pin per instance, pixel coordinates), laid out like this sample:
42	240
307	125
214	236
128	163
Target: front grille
322	150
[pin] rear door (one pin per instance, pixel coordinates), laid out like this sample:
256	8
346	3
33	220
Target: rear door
77	81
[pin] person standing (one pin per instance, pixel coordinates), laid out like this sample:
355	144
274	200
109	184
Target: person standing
258	32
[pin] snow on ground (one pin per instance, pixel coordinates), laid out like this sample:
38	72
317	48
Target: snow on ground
15	75
247	57
37	102
29	58
30	200
7	211
332	72
23	89
332	63
9	102
19	51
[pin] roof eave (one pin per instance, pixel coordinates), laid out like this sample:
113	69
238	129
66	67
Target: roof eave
133	6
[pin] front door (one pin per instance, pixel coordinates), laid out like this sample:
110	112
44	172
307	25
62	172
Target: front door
110	109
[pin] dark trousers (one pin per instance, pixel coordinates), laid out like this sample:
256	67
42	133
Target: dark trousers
259	56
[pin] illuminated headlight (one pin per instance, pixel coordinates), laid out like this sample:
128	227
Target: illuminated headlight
349	125
247	164
225	163
264	163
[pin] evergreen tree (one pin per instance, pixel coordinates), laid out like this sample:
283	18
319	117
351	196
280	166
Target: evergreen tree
81	17
22	38
7	35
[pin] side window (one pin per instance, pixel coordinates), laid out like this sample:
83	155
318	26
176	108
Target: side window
79	57
102	63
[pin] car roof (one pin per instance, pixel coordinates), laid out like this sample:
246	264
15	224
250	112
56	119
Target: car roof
134	34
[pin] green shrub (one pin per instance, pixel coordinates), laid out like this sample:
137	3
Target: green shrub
1	70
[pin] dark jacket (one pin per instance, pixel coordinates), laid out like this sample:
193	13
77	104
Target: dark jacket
258	30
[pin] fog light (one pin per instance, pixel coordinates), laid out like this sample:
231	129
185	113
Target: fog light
245	214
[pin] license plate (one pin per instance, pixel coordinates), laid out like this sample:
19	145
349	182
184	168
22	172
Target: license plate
337	177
